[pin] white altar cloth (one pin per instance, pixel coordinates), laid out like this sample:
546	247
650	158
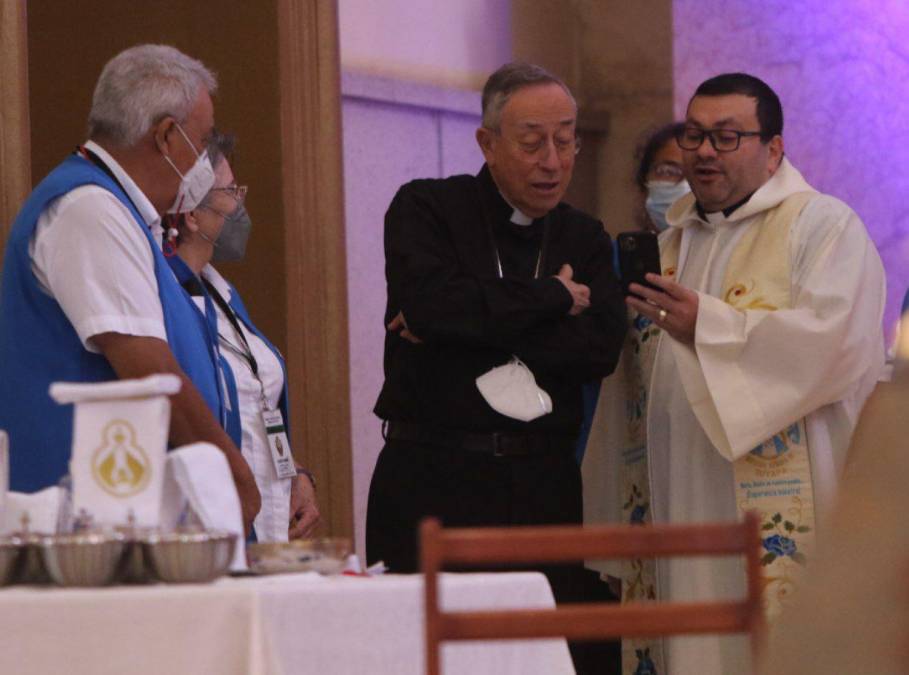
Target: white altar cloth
279	625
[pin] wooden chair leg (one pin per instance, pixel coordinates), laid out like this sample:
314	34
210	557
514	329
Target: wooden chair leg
430	531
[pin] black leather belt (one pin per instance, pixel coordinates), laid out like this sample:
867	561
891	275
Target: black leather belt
495	444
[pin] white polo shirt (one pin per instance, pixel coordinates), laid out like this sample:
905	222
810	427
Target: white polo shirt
88	254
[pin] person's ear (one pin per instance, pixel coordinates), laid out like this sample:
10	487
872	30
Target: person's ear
161	134
191	221
486	139
775	153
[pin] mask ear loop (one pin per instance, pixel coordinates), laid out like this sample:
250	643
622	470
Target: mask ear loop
169	247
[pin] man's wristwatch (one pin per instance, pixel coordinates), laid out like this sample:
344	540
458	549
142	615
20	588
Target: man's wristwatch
306	472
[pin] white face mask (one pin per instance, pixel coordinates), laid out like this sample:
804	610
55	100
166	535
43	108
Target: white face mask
512	390
195	183
660	196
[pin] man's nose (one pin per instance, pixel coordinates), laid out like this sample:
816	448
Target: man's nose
706	149
550	156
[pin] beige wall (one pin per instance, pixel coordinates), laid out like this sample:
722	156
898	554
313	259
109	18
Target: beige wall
69	43
15	154
435	41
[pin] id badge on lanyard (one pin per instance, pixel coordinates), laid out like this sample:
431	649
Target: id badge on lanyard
272	419
281	456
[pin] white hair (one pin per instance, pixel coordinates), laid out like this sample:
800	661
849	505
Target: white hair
142	85
508	79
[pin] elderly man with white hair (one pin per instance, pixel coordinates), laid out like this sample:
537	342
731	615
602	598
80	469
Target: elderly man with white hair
87	292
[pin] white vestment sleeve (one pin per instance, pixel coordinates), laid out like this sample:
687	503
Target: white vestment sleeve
752	373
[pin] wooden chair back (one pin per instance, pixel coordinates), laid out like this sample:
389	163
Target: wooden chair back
593	621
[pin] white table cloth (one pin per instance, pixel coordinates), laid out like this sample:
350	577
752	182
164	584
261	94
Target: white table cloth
280	625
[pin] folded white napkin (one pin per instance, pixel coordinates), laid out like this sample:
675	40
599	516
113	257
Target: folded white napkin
119	444
164	384
43	509
203	475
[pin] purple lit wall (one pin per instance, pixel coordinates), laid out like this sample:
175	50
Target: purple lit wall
394	131
841	68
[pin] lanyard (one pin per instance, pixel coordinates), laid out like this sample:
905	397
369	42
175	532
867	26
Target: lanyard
536	270
245	351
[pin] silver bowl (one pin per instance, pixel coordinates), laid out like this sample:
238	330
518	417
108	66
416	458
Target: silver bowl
84	559
189	557
11	549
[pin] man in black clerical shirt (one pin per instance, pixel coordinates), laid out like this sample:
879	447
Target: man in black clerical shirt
481	269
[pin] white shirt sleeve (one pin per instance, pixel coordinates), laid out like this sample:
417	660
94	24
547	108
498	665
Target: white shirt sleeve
89	254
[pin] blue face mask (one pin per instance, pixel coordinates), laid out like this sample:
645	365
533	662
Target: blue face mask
660	196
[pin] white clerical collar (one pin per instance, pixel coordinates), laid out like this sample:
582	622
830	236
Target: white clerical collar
518	217
143	205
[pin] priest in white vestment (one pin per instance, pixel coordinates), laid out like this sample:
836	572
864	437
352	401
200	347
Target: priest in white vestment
769	313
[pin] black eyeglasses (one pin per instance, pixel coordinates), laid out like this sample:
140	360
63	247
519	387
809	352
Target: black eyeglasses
722	140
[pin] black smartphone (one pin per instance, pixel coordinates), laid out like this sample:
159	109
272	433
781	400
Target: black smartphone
639	253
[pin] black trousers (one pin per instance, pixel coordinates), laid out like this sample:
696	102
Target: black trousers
463	489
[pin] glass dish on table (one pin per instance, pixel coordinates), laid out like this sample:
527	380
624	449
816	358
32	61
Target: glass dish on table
325	555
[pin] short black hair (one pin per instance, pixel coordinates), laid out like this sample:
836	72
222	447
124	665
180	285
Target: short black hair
649	147
769	109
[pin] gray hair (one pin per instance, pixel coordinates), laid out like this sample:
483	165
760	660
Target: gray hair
507	80
142	85
220	147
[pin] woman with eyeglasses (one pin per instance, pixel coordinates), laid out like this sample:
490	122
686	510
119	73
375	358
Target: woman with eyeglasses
254	372
659	176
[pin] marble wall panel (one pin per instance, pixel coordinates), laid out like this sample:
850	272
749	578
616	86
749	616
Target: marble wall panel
394	131
384	147
458	147
438	41
841	68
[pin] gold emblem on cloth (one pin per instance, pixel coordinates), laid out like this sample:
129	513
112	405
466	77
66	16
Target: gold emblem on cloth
746	296
119	465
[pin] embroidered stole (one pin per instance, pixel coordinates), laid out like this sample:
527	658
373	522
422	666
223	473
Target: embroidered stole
773	479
